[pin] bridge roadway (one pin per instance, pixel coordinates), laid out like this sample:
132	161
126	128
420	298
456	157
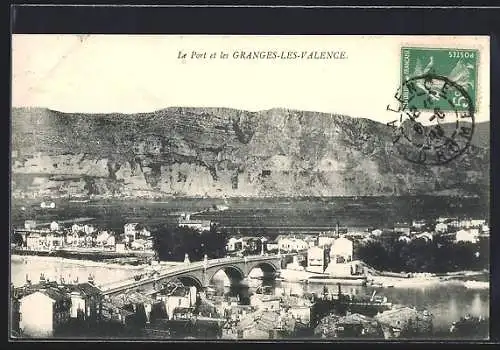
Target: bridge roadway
186	269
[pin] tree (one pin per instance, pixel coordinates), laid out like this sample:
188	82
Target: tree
172	242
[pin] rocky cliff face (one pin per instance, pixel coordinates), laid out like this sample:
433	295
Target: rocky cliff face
223	152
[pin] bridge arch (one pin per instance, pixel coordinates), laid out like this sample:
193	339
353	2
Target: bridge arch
268	269
188	280
234	273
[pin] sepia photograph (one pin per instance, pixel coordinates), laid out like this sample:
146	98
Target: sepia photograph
250	187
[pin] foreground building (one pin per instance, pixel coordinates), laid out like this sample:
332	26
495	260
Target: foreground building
43	312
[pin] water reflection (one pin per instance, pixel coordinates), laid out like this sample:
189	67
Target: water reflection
55	268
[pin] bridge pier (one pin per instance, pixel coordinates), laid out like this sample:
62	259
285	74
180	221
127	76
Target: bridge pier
199	273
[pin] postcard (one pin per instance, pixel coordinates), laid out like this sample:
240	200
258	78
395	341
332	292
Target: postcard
250	187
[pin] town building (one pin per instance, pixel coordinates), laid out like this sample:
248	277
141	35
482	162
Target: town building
342	250
76	238
340	258
54	240
199	225
401	321
181	297
43	312
105	239
130	231
325	240
88	229
142	244
402	228
471	235
272	246
234	244
290	244
77	228
30	225
54	226
475	223
86	302
312	241
34	241
316	259
441	227
120	247
418	224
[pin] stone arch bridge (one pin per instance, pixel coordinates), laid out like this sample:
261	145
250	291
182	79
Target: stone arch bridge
198	273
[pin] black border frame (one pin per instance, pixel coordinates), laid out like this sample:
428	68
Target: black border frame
286	20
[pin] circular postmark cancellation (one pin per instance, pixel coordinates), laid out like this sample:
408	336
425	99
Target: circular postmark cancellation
436	120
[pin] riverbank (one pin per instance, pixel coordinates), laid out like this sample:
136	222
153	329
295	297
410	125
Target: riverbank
458	278
468	279
78	262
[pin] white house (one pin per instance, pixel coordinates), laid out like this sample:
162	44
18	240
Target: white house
54	226
316	259
234	244
77	228
292	244
180	298
120	247
342	250
111	241
325	240
85	301
34	241
441	227
477	223
102	237
471	235
88	229
377	232
311	241
43	312
130	231
272	245
54	240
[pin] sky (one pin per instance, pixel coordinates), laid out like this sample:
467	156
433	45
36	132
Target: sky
129	74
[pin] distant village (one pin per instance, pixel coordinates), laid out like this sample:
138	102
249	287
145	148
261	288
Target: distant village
136	236
55	235
465	230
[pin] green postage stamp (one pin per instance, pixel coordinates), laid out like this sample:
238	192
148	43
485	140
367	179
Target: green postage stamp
458	66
